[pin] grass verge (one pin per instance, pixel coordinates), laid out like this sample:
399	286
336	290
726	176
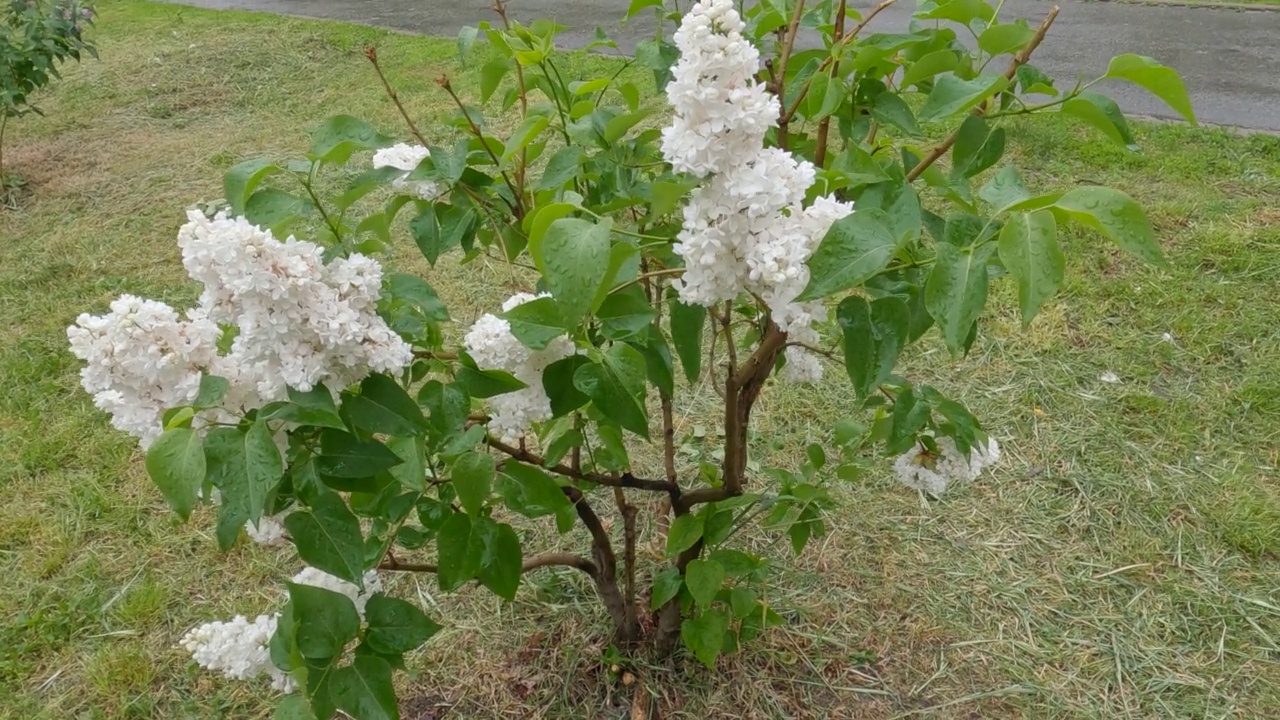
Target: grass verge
1122	562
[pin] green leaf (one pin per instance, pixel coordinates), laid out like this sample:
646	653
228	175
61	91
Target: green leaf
293	707
1032	80
957	290
687	322
951	95
685	531
176	464
491	76
245	466
314	408
892	110
412	471
1030	251
416	293
616	386
343	455
657	362
502	573
441	227
327	620
537	322
625	313
858	166
466	38
977	147
743	600
1115	215
561	168
1161	81
396	626
342	135
364	690
473	480
1104	114
557	382
703	578
272	208
239	182
1005	38
383	407
856	247
1005	188
212	390
530	491
617	127
666	585
328	537
526	132
487	383
638	5
960	11
704	635
874	335
575	255
461	552
926	67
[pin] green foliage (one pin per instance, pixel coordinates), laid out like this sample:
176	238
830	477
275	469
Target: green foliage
39	35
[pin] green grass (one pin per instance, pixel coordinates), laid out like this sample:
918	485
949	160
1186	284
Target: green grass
1121	562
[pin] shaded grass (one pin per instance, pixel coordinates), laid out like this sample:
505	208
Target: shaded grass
1120	563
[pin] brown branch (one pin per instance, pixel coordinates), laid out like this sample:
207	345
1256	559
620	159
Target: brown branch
669	440
780	82
1018	61
371	53
626	480
824	127
606	563
628	512
563	559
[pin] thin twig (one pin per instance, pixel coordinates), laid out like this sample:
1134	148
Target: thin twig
780	83
371	52
824	127
518	207
1018	61
530	563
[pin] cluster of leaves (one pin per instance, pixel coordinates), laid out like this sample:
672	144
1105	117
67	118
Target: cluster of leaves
38	36
577	193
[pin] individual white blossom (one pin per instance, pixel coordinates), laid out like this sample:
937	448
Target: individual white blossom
746	229
321	579
238	649
490	343
932	473
402	156
269	530
298	321
141	359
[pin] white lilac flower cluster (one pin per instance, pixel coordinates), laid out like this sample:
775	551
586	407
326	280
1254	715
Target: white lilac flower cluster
299	321
490	343
746	229
406	158
239	648
932	473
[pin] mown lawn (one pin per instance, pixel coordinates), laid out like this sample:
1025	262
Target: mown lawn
1122	562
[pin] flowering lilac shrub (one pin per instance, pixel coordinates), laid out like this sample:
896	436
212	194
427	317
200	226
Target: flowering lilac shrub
787	211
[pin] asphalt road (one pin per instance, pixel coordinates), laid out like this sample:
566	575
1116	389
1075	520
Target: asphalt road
1230	59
